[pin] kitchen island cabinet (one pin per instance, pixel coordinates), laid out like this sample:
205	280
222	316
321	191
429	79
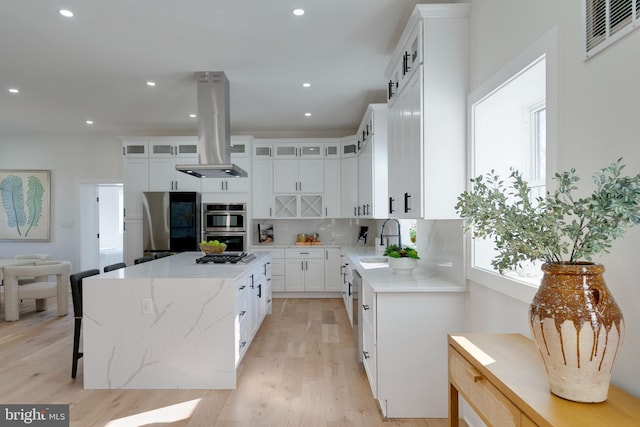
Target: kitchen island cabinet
171	323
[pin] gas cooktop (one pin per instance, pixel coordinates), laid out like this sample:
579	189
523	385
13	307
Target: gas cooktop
228	258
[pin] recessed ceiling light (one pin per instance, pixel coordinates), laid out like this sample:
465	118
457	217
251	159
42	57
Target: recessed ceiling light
307	114
66	13
298	12
193	116
13	90
150	83
89	122
306	84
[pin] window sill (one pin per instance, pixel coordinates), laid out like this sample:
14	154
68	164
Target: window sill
520	288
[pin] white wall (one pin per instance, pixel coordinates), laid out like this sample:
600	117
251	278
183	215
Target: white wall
597	123
72	159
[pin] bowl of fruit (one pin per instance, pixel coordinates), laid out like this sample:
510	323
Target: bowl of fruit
212	247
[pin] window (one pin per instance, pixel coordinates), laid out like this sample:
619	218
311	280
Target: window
606	21
509	129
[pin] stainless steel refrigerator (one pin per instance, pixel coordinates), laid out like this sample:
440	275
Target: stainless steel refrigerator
170	221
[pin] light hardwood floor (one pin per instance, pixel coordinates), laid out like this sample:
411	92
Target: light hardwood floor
299	371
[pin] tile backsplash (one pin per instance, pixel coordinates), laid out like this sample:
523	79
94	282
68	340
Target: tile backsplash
340	232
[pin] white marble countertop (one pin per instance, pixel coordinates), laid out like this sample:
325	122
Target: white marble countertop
382	278
182	266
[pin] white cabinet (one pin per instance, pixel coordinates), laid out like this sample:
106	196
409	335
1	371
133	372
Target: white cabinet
332	270
164	155
298	176
298	206
404	358
347	283
304	270
133	149
372	163
349	179
262	181
298	168
136	180
427	113
332	182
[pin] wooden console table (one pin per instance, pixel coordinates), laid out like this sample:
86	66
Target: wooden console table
503	379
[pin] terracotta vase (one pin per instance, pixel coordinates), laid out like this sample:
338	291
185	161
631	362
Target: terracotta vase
578	328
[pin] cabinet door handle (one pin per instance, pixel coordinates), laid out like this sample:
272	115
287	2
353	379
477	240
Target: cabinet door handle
243	312
242	287
242	344
390	89
306	265
260	291
407	196
354	211
302	265
300	185
365	354
365	307
358	210
349	288
391	200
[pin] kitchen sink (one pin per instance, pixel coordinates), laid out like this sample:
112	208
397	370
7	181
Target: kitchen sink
374	262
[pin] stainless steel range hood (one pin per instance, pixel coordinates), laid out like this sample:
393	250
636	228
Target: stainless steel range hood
214	139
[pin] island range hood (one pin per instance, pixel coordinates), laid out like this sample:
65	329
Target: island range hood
214	139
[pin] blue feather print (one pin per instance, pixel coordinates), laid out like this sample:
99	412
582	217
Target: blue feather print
13	201
34	201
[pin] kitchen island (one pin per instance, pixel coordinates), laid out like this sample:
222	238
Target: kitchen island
172	323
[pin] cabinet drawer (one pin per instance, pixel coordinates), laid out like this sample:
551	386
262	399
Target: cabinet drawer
494	408
304	253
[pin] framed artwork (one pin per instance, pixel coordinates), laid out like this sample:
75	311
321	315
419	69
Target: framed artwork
25	205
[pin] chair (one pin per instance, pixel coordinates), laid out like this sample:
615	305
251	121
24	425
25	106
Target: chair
115	266
143	259
39	290
38	258
76	297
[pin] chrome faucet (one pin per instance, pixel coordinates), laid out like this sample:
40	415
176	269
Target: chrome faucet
382	235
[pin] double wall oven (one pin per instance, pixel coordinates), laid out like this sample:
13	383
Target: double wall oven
226	222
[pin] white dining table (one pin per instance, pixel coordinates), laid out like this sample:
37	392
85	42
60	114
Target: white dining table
11	262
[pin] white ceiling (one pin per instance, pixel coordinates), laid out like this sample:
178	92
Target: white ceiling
96	64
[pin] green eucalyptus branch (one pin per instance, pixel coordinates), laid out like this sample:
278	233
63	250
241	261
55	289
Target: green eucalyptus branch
557	228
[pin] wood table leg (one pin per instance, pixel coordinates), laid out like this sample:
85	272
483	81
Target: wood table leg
453	406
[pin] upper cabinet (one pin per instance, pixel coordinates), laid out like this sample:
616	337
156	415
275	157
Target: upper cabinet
349	178
372	163
298	168
164	155
427	87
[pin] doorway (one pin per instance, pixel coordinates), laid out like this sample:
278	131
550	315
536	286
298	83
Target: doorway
101	225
